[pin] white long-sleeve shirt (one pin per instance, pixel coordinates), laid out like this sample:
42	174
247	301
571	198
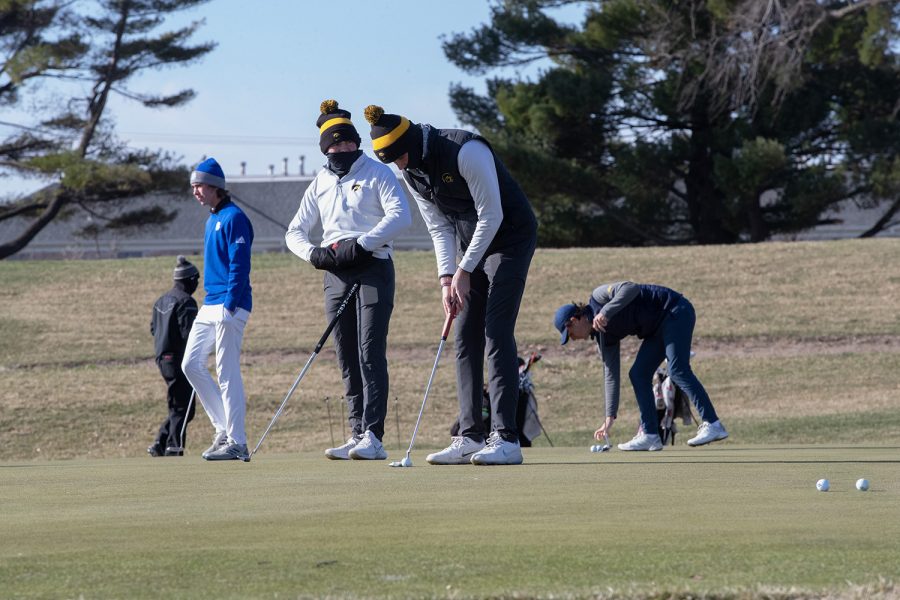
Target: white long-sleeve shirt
368	203
476	165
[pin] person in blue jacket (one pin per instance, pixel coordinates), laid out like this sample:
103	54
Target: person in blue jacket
220	323
664	320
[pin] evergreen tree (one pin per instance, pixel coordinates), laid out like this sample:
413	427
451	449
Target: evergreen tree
74	146
698	121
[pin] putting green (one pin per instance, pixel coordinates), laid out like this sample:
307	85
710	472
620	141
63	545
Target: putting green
566	523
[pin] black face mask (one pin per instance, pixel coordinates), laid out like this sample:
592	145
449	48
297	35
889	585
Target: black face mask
339	163
188	285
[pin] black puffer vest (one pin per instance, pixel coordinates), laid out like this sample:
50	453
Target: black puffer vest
438	181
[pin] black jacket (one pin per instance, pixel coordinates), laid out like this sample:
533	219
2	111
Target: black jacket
173	316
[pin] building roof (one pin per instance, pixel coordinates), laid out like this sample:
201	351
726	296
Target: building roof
270	202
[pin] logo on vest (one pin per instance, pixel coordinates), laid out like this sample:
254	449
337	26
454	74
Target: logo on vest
240	240
356	187
447	178
218	225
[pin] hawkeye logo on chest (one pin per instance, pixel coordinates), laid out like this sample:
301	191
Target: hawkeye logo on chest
447	178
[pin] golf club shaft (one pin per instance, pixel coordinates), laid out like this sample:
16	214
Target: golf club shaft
350	293
437	359
186	414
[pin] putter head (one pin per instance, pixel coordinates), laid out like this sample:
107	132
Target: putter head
395	463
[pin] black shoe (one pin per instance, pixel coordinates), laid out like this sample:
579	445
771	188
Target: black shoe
155	450
172	451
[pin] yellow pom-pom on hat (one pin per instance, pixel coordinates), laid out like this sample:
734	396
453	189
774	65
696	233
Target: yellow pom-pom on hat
328	106
335	126
391	134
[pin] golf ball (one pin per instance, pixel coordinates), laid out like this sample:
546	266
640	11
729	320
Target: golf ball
595	448
822	485
406	462
862	484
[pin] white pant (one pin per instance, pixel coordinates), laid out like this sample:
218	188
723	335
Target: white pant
224	402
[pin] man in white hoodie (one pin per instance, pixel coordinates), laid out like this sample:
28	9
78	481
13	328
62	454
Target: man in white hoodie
362	208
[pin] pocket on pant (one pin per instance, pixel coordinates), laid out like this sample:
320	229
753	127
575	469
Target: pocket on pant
168	366
368	295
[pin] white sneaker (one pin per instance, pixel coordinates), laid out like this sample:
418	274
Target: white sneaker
459	452
642	441
342	452
220	440
368	448
708	432
231	451
498	452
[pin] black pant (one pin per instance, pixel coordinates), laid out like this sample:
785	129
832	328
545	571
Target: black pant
360	341
485	329
178	397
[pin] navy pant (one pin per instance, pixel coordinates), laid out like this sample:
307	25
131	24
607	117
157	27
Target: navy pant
671	341
360	341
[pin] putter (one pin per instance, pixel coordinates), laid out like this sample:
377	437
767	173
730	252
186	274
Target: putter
330	426
407	462
349	296
186	413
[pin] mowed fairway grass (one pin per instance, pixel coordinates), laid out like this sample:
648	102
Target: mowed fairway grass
798	345
569	523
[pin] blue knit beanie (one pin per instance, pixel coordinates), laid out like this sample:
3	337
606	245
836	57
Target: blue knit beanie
209	172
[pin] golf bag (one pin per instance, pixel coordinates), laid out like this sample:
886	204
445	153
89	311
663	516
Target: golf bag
527	421
671	403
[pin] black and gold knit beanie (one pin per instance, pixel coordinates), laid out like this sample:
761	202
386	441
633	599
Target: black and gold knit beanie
335	126
392	135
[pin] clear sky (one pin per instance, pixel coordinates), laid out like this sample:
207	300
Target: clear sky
258	92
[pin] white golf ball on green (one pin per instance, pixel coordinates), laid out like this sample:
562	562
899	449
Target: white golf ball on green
822	485
862	484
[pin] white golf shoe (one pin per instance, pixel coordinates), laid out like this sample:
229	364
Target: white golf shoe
708	432
230	451
342	452
459	452
642	441
498	452
220	440
368	448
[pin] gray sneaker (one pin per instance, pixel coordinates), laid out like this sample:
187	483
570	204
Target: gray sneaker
368	448
342	452
230	452
220	439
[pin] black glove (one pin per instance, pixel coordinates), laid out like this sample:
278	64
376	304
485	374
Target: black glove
324	258
350	254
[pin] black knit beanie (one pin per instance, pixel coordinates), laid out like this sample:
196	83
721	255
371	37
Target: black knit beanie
184	269
335	126
392	135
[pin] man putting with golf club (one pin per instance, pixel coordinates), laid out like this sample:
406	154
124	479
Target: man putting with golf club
220	323
664	320
471	206
362	209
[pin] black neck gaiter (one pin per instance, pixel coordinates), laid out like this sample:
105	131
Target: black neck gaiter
339	163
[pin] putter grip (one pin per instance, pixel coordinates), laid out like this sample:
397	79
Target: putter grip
447	323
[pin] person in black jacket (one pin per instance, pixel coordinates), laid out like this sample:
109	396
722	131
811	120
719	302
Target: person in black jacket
476	211
664	320
173	316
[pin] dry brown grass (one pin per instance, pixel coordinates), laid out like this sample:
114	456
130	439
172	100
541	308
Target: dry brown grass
783	330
